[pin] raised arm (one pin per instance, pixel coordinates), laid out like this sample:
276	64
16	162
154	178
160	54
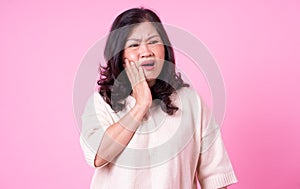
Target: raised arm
118	135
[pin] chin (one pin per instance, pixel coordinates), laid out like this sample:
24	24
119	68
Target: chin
151	76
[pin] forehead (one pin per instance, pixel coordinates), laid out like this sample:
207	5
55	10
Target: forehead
143	30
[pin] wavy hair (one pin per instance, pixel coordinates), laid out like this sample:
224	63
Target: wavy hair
114	85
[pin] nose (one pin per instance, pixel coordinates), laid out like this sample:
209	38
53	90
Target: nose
145	51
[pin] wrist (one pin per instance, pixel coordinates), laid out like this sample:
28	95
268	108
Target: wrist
139	111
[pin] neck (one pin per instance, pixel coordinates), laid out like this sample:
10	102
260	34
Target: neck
151	82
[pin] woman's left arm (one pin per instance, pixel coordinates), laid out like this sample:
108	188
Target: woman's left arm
214	166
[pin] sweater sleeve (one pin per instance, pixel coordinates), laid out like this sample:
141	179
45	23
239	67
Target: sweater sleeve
95	120
214	166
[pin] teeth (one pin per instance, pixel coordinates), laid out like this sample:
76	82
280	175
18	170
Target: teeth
148	65
151	64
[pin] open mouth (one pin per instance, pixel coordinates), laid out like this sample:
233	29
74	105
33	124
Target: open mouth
148	65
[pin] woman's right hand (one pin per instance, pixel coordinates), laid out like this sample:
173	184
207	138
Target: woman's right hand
140	88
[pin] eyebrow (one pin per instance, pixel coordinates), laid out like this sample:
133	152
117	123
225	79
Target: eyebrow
134	39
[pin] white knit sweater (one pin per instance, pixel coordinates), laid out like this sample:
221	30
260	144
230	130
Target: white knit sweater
166	152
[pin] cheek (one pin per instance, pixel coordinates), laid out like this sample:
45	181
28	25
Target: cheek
159	52
130	55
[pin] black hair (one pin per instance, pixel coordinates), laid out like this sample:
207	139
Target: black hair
114	84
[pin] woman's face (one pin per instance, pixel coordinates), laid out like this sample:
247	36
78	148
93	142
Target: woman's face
145	48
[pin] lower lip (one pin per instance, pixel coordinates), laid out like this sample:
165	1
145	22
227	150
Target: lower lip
148	67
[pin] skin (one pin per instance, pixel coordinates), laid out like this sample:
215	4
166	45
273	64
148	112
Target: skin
144	43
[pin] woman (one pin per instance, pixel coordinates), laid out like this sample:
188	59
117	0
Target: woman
146	128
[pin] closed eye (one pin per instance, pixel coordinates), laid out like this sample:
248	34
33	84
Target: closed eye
153	42
134	45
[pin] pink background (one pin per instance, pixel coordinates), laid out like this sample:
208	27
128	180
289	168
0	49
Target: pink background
256	45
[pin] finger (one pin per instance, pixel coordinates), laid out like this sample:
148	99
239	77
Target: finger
132	68
127	64
132	72
141	74
128	69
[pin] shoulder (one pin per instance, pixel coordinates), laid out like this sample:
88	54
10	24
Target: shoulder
187	91
96	103
188	95
95	98
188	101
